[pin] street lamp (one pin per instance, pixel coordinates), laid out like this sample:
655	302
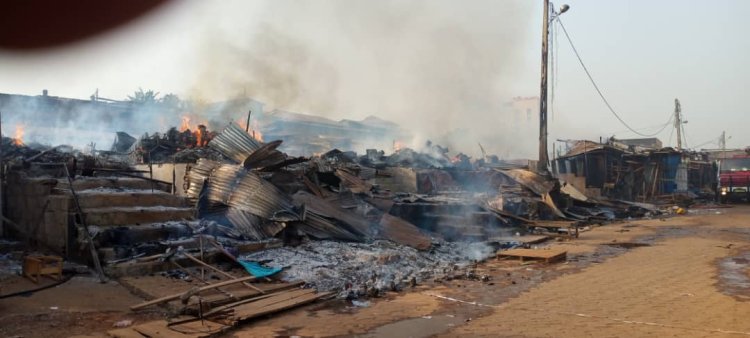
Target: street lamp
543	155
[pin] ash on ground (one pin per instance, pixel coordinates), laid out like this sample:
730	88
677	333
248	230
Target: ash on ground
354	270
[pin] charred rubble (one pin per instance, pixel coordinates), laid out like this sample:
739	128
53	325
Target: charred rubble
419	214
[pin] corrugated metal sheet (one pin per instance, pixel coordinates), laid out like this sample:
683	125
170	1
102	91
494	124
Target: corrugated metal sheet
260	197
223	182
239	188
197	174
235	143
346	219
251	225
323	228
265	156
354	183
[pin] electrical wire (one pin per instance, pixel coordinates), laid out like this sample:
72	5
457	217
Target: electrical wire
684	134
585	69
28	292
662	126
671	131
705	143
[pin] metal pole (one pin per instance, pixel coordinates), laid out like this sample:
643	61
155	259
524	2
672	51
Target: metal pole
85	227
247	126
543	156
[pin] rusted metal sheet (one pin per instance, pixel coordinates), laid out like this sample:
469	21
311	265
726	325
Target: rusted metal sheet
403	232
265	156
533	181
324	228
235	143
355	224
354	183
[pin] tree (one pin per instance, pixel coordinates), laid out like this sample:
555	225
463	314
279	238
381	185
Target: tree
143	97
171	100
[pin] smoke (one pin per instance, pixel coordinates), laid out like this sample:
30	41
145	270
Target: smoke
54	121
445	70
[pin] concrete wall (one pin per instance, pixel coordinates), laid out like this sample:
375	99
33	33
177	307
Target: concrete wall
45	217
163	172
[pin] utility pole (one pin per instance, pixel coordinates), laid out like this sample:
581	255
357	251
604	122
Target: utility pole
678	123
723	144
543	156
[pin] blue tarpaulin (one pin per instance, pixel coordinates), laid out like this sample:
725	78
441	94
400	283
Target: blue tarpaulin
257	270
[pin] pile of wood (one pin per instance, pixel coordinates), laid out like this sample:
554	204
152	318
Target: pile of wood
213	309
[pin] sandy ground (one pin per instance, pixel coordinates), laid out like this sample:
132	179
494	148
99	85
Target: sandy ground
79	306
667	284
684	276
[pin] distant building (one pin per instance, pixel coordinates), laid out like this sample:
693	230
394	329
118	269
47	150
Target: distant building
647	143
525	109
309	134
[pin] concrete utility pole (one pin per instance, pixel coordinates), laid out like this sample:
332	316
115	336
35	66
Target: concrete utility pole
543	155
678	123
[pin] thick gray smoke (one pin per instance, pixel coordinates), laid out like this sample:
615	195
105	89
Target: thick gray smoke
443	69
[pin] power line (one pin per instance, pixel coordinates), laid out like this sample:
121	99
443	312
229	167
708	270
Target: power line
705	143
671	131
684	134
662	126
565	31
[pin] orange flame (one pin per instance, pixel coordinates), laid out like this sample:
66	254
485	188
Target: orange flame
254	130
199	137
257	134
18	138
185	125
398	145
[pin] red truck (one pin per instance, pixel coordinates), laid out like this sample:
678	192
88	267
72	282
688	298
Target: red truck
734	178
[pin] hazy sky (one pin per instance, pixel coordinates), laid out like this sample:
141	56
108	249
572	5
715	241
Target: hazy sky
375	57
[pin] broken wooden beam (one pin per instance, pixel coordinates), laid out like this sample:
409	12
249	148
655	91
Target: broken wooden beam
198	290
548	256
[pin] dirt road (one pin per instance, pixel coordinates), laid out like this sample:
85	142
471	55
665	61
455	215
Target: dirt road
684	276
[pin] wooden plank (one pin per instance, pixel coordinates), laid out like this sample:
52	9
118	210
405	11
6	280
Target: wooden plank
252	299
201	289
546	255
200	262
202	328
159	329
274	304
216	299
525	239
127	332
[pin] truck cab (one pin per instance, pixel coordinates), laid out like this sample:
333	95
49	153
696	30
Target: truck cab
734	179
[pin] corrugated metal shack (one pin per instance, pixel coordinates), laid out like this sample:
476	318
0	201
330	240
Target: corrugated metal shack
616	170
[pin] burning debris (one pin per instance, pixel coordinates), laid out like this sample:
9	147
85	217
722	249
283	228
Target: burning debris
356	225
